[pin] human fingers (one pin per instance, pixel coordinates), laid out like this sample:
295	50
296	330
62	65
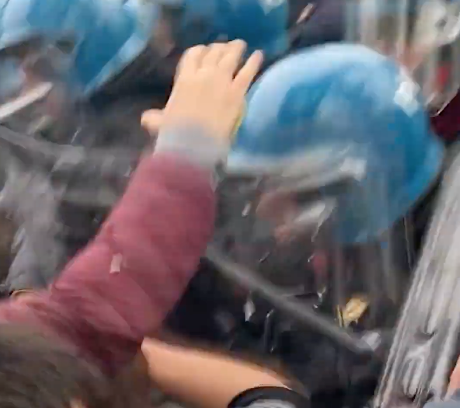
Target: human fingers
247	73
232	58
214	55
191	60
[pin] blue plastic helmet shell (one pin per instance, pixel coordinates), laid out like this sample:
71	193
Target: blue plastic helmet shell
107	35
261	23
342	108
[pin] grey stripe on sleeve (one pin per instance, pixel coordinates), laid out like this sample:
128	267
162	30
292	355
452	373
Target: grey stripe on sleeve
193	143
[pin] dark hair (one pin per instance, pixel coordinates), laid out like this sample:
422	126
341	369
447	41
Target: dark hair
39	371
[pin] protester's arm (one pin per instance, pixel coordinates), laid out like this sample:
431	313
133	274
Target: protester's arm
121	286
119	289
208	380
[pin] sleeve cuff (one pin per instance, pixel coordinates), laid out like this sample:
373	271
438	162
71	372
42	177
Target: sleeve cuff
193	143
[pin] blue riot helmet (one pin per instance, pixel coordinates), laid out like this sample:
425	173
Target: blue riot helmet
55	57
334	153
274	26
76	48
287	97
100	37
262	24
66	161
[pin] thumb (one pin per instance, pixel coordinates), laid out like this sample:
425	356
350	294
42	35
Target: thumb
152	120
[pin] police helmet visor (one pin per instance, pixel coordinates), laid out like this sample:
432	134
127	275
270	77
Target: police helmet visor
288	235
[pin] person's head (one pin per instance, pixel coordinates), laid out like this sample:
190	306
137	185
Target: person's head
94	47
37	370
334	152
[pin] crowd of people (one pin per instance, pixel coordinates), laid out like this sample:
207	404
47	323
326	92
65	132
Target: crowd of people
60	346
278	165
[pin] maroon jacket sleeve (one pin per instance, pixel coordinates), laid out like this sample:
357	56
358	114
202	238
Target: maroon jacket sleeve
119	289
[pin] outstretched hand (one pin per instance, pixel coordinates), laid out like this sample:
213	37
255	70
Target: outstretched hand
209	90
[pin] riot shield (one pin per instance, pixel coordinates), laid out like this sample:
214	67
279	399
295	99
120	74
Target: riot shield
425	345
421	34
